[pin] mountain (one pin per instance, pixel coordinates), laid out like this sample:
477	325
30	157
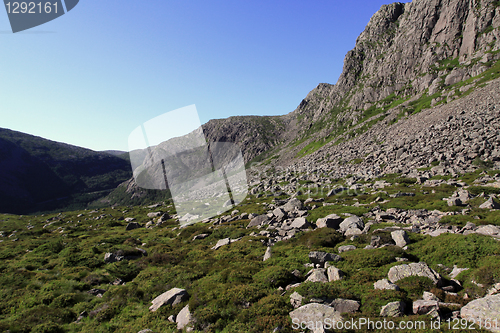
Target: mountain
376	198
410	57
118	153
39	174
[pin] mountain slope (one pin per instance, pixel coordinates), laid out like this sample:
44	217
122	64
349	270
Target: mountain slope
410	57
39	174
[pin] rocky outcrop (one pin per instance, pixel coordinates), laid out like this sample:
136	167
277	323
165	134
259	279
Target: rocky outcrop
173	297
407	48
397	273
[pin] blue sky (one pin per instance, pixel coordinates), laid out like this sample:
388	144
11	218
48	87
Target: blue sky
91	76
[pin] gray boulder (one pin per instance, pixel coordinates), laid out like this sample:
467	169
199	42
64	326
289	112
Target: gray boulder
316	315
292	205
384	284
488	230
268	254
184	318
334	274
345	305
321	257
422	307
296	300
400	238
346	248
300	223
486	308
351	222
331	221
393	309
490	204
132	226
259	220
173	296
317	275
397	273
279	213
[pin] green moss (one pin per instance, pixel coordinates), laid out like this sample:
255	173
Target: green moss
464	251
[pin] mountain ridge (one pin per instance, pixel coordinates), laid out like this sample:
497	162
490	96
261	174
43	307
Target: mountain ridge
50	174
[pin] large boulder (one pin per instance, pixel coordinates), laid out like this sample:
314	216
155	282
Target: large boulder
296	299
397	273
393	309
346	248
317	275
279	213
293	205
351	222
334	274
345	305
400	238
314	317
321	257
259	220
184	318
422	307
300	223
486	309
173	296
132	226
490	204
488	230
384	284
331	221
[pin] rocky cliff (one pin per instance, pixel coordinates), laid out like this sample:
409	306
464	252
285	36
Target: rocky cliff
407	50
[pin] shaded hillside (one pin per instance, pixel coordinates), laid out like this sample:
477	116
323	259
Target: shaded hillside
39	174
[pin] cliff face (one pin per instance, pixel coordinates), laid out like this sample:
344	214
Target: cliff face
408	49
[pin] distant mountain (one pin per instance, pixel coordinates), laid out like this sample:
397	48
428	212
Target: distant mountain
118	153
37	174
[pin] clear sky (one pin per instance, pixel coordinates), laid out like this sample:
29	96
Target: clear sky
91	76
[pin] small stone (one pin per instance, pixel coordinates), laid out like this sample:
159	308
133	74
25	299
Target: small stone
268	254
